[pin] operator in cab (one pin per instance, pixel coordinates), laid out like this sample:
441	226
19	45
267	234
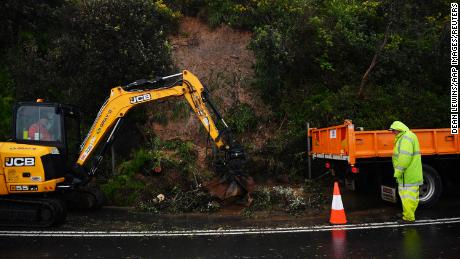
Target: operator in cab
42	129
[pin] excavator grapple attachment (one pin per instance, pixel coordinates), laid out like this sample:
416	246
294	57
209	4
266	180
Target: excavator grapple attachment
232	182
227	189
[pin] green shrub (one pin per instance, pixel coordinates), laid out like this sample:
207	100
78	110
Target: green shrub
248	14
187	7
310	61
185	150
136	182
6	104
108	42
124	188
241	118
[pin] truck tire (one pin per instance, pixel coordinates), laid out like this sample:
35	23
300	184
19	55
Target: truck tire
431	189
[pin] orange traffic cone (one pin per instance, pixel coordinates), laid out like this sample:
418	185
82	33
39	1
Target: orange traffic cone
337	211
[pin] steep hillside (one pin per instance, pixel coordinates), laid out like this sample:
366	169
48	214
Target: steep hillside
222	61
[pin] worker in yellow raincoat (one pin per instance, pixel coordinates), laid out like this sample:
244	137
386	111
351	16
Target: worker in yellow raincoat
407	164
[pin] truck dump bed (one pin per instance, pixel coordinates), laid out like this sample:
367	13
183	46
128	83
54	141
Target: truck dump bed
343	142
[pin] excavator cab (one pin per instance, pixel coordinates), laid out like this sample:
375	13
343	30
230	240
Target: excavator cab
35	164
49	124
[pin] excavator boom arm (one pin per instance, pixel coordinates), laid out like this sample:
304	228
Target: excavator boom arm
122	100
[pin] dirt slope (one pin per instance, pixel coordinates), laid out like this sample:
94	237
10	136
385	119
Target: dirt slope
221	60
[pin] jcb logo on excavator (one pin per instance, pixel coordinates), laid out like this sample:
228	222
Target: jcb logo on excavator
140	98
19	161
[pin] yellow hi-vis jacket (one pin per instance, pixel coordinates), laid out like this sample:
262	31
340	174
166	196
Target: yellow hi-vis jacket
407	160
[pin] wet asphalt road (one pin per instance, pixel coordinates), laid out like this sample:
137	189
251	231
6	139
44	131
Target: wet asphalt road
387	239
432	241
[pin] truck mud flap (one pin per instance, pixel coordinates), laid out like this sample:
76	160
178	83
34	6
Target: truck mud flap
350	184
388	193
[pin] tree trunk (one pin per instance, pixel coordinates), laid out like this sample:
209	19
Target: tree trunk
373	63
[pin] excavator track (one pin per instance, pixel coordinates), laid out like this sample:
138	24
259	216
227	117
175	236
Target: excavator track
88	197
31	212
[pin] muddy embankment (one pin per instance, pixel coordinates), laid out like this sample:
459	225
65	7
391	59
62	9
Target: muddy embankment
220	58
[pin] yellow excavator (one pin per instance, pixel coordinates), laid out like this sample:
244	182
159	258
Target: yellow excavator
38	172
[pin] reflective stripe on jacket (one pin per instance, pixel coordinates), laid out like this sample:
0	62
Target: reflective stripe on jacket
407	160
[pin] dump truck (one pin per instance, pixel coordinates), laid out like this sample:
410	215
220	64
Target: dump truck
363	158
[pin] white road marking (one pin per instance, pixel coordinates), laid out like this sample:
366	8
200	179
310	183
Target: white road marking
224	232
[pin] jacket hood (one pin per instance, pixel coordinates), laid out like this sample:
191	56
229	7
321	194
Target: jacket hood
397	125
